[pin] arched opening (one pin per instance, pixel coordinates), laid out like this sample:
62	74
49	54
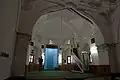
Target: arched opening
65	29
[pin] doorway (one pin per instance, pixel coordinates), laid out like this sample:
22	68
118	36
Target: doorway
51	58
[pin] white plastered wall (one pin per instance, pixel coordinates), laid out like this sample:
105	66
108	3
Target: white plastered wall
60	26
8	17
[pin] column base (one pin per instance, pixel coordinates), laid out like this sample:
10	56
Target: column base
100	69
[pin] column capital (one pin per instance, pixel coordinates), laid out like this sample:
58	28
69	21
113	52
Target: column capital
112	55
22	35
106	46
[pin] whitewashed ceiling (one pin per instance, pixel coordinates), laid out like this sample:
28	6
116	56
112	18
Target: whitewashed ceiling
60	26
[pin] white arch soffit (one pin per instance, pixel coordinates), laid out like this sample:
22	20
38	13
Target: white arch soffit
73	28
40	20
69	25
63	23
45	16
94	24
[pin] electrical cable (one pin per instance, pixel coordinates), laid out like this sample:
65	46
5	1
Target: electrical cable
56	10
49	7
54	2
72	10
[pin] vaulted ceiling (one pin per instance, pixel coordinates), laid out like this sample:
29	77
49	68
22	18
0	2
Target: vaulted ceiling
28	4
97	10
61	25
33	9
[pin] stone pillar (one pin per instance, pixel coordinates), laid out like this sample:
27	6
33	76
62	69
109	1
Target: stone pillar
111	55
113	59
115	19
38	50
103	55
117	48
37	53
20	54
29	50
